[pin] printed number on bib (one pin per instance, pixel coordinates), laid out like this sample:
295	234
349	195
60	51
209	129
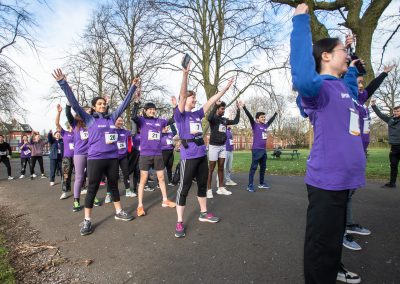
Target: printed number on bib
354	127
3	153
264	135
367	123
222	128
111	138
71	146
84	135
169	142
195	128
231	142
27	152
153	135
121	145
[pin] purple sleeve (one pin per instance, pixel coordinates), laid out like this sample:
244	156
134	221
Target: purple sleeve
363	97
200	112
177	115
62	132
164	122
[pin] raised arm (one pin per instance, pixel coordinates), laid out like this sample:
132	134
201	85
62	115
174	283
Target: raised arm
183	91
70	117
350	80
217	96
50	138
269	122
126	101
374	84
251	118
237	117
59	110
304	76
382	116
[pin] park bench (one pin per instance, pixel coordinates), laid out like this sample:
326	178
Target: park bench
291	152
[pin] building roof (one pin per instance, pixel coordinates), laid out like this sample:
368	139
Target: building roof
14	126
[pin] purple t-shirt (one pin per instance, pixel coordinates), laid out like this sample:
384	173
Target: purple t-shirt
337	160
189	126
103	139
150	134
259	136
25	151
364	116
122	143
81	139
229	140
166	141
68	139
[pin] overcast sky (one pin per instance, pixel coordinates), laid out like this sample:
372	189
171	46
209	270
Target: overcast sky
60	25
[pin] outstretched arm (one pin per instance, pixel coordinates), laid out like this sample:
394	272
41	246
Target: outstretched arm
59	110
269	122
216	97
237	117
382	116
70	117
251	118
183	91
126	101
374	84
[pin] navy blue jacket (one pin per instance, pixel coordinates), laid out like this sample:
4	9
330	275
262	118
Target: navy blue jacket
55	146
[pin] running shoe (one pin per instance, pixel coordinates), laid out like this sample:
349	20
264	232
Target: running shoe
148	188
122	215
83	192
86	227
34	175
194	180
348	242
223	191
21	176
64	195
76	207
43	176
179	230
389	185
250	188
209	193
97	202
230	182
140	211
108	199
208	217
102	183
357	229
168	203
10	178
171	184
52	183
129	193
263	186
31	177
346	276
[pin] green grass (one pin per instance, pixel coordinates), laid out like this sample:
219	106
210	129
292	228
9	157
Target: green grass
377	163
6	271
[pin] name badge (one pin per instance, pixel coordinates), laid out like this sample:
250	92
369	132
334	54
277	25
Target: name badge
169	142
195	127
231	142
367	124
27	152
354	126
84	135
121	145
71	146
222	128
111	137
264	135
153	135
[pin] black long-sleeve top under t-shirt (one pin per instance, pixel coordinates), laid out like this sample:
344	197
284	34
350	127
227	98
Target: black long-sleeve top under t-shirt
374	84
4	147
218	126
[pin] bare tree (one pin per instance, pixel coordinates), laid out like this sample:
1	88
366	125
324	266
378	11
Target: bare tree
388	95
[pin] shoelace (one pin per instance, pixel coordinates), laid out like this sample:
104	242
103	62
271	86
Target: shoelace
123	213
179	226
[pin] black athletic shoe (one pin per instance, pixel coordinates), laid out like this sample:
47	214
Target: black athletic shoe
347	277
123	216
389	185
86	227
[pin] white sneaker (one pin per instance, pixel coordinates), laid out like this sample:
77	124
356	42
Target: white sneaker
230	182
223	191
108	199
52	183
209	193
83	192
10	178
43	176
34	175
22	176
64	195
130	193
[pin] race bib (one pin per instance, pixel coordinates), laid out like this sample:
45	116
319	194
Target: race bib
27	152
222	128
3	153
195	127
84	135
169	142
354	127
367	124
59	151
153	135
121	145
71	146
264	135
111	137
231	142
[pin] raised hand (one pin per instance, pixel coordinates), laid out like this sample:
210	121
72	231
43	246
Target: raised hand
136	81
174	101
388	68
58	75
138	93
230	82
239	104
218	102
349	40
373	102
59	108
301	9
186	71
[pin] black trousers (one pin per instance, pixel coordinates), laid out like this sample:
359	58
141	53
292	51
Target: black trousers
123	164
6	161
191	168
326	220
55	165
33	163
24	162
95	171
168	157
133	167
394	157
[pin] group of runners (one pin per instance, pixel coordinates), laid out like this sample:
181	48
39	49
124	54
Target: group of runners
331	94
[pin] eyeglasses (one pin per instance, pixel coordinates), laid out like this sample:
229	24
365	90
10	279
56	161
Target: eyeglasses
342	49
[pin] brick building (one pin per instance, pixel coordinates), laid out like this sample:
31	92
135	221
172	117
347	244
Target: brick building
14	131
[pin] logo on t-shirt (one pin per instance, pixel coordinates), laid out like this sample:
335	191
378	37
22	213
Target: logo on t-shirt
345	96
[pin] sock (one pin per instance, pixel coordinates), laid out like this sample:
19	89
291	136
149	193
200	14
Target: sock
88	219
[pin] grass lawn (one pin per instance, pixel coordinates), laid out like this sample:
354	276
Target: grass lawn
377	163
6	271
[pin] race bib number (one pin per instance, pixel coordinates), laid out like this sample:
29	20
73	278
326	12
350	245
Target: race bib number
354	127
3	153
231	142
84	135
195	127
121	145
59	151
222	128
111	138
71	146
153	135
367	124
27	152
169	142
264	135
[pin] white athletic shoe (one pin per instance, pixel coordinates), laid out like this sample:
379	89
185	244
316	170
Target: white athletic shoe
64	195
108	199
209	193
230	182
130	193
10	178
21	176
34	175
223	191
52	183
83	192
43	176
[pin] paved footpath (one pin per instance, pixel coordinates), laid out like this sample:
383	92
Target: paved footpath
259	239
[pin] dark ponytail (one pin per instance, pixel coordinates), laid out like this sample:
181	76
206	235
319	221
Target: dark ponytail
321	46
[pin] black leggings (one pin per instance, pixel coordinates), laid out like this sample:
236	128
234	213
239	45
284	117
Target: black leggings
123	164
190	168
325	226
24	162
168	157
394	157
95	171
133	167
6	161
33	163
